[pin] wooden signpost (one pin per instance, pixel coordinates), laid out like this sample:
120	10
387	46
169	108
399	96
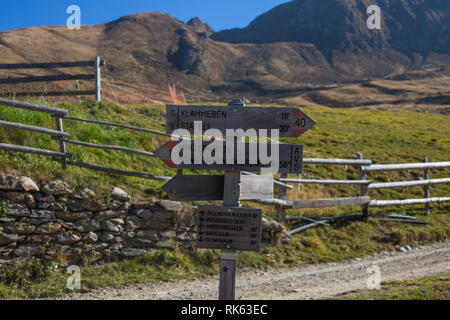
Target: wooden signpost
291	122
290	158
230	227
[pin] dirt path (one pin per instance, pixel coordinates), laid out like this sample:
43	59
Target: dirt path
308	282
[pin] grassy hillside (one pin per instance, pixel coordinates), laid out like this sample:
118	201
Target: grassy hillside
384	137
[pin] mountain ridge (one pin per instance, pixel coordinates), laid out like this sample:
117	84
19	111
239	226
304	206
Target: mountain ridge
341	25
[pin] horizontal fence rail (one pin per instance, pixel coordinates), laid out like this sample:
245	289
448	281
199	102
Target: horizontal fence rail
315	181
115	171
108	147
112	124
50	65
326	203
405	184
345	162
62	77
407	166
33	107
277	182
19	126
22	149
96	75
318	203
54	93
388	203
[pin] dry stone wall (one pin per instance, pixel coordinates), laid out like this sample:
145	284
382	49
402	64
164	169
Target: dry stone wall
53	221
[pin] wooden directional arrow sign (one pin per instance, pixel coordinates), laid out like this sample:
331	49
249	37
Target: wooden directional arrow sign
229	228
291	122
290	158
211	188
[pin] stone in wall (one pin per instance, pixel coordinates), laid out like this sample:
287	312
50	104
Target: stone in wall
9	238
12	183
56	188
74	216
20	198
120	195
15	210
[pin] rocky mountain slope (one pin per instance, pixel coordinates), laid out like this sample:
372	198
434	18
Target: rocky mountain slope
296	48
408	26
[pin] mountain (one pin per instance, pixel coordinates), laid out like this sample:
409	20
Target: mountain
294	53
408	26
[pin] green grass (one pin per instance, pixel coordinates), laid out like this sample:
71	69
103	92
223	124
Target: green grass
429	288
41	168
384	137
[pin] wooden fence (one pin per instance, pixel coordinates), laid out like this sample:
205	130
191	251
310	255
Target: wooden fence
364	167
96	64
63	138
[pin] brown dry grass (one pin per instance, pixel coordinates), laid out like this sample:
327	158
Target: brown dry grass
137	49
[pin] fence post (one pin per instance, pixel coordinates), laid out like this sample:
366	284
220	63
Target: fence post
281	212
426	188
362	176
98	80
77	85
62	145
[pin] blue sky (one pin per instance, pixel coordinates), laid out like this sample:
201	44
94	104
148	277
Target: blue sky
219	14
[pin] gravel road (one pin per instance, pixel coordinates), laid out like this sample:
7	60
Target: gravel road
307	282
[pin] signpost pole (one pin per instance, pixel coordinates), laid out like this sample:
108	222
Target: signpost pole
228	259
